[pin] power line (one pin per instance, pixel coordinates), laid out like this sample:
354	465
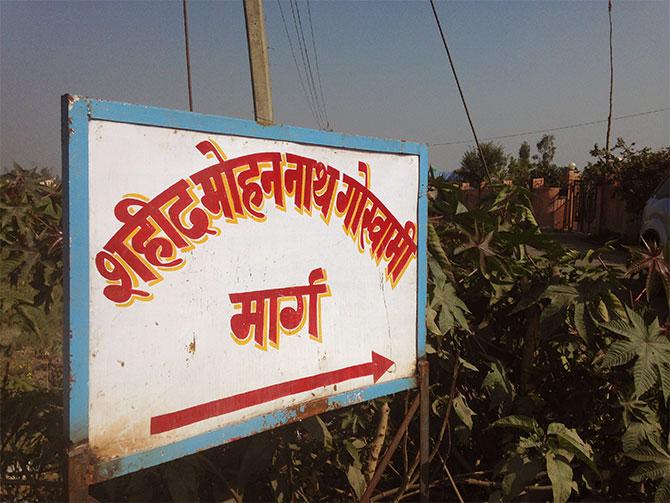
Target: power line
546	130
303	45
304	65
297	66
316	60
300	35
460	91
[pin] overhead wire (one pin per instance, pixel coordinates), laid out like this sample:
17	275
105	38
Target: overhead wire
303	45
300	35
547	130
460	91
320	103
297	66
318	71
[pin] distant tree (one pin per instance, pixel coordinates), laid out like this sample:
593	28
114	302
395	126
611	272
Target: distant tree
512	167
524	152
544	166
518	170
472	170
546	150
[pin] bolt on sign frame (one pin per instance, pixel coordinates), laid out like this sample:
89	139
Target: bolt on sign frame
292	259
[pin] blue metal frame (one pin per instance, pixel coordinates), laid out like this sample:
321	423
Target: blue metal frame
77	112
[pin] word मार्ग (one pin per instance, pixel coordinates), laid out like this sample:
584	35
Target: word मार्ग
263	319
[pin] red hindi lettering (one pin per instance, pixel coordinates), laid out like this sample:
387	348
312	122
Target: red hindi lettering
325	185
250	320
262	312
122	289
400	251
221	193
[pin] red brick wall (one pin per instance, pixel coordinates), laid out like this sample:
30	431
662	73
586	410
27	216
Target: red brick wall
549	208
615	218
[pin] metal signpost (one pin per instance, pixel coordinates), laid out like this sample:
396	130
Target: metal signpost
225	278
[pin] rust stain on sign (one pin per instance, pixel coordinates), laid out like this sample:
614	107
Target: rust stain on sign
312	408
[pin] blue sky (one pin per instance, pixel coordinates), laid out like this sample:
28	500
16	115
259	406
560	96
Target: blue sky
524	65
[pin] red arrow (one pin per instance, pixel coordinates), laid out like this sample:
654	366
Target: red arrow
166	422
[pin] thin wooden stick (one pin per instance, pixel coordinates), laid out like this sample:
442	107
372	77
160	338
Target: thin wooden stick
451	479
390	450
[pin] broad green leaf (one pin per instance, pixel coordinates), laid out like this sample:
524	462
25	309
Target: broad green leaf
663	492
528	216
319	431
560	475
614	305
452	309
651	471
501	198
482	244
664	372
619	353
467	365
353	452
650	349
435	269
580	322
530	298
524	423
519	472
356	480
561	296
636	410
500	388
529	443
569	439
435	248
462	410
647	453
636	434
603	312
655	465
431	314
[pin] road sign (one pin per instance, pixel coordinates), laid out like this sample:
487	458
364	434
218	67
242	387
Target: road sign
225	278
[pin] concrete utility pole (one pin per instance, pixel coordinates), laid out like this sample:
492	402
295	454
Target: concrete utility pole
258	61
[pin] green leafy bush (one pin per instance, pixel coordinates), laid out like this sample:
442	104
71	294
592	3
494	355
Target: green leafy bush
638	172
549	371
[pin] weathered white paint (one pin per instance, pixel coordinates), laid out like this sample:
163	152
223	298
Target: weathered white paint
176	351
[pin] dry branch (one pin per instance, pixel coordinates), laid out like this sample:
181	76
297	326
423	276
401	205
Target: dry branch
378	442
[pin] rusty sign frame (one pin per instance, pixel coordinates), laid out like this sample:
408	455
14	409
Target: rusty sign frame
76	114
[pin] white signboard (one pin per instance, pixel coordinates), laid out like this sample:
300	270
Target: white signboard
236	277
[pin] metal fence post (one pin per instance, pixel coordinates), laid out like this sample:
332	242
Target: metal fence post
77	474
424	429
